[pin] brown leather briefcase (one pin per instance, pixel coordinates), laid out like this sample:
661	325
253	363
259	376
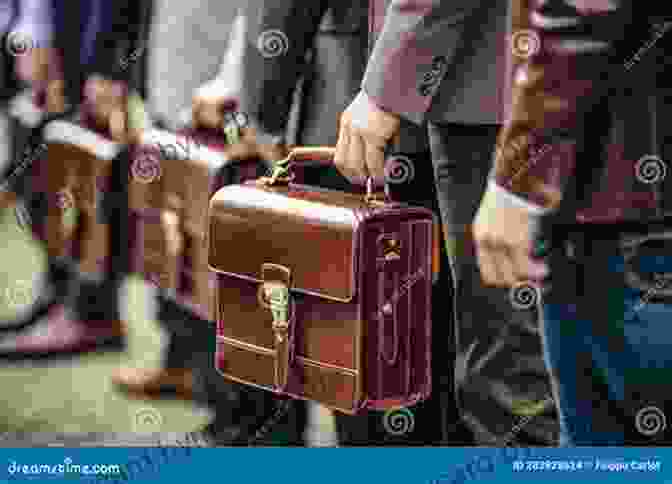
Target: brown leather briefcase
322	295
173	176
76	162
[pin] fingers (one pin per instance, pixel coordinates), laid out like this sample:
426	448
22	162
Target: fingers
342	146
357	160
208	114
489	264
375	161
505	264
55	97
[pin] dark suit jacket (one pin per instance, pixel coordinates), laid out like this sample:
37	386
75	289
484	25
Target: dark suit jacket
122	31
321	41
588	133
327	48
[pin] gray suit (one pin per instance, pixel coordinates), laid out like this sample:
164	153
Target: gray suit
186	46
446	63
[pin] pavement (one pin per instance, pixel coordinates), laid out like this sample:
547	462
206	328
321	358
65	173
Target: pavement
76	396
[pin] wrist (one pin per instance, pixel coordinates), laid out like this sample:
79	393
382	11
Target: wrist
504	198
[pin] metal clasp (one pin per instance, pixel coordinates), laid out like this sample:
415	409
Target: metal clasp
274	295
277	295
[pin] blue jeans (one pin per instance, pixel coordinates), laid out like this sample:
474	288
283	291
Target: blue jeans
607	334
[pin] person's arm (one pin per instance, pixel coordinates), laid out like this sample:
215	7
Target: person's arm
35	21
412	53
571	67
263	63
552	91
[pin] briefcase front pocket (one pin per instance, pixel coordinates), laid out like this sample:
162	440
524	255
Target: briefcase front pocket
322	295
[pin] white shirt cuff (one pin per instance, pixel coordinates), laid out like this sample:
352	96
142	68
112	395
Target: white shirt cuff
506	198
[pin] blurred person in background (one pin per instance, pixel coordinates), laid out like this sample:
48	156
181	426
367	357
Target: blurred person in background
82	42
583	167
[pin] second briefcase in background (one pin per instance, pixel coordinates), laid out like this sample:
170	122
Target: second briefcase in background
173	176
322	295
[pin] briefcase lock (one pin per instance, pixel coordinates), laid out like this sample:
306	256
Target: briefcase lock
274	295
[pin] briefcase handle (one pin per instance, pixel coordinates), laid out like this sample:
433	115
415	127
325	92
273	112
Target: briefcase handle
323	155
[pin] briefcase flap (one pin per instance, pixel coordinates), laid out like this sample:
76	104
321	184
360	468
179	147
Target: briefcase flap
309	231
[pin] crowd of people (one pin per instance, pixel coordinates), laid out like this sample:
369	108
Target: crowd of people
535	130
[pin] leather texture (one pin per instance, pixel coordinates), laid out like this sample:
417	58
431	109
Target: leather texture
67	178
171	207
358	277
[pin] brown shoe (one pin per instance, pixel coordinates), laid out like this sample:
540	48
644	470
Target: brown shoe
155	384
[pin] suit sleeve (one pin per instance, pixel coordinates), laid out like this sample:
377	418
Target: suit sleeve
278	36
118	36
418	42
574	58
